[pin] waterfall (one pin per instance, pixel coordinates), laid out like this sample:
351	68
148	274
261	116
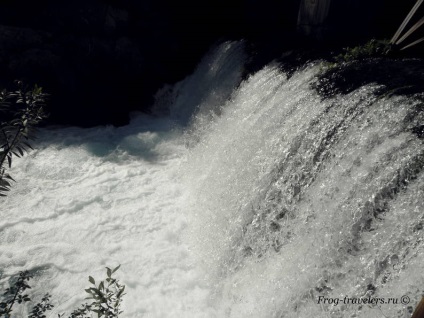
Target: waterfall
294	197
250	196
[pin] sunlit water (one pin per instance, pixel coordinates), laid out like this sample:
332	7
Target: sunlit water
246	198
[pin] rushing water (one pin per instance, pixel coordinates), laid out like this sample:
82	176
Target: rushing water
245	198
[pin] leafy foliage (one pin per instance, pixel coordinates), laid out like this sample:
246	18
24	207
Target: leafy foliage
15	294
40	309
20	111
107	298
372	48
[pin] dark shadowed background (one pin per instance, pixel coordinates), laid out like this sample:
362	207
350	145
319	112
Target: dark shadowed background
101	59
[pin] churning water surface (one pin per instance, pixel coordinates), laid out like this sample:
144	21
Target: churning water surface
245	197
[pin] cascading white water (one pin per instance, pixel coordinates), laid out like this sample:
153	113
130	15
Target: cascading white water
298	197
270	198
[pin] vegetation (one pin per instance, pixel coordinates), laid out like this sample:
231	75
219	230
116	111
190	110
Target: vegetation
373	48
106	298
378	48
381	48
15	294
20	111
367	63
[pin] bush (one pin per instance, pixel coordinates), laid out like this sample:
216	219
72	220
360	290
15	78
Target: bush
107	298
372	48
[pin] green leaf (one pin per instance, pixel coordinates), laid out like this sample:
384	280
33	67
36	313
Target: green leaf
109	272
20	150
120	292
9	177
28	145
91	280
116	268
7	183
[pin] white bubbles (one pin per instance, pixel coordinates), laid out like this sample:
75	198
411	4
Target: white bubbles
266	198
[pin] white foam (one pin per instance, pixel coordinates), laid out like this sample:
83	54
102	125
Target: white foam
270	198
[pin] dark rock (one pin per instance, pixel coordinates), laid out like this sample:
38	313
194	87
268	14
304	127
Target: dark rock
396	77
419	131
